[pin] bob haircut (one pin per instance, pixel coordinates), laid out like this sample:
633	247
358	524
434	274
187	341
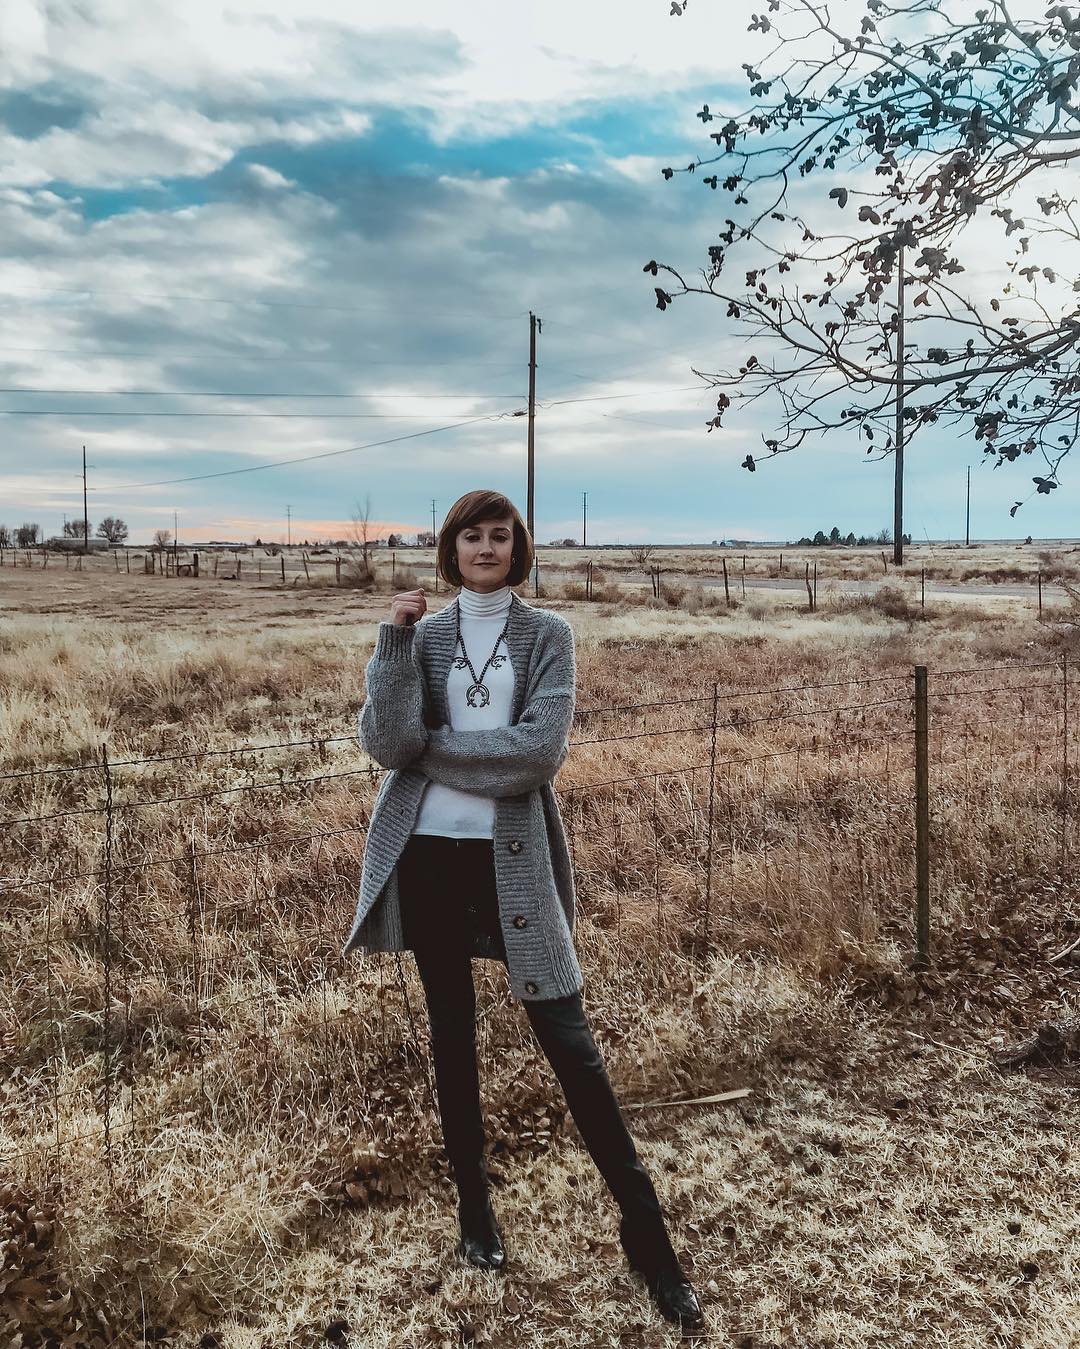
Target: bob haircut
470	509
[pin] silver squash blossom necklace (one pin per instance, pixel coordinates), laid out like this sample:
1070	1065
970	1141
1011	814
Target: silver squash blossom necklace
478	694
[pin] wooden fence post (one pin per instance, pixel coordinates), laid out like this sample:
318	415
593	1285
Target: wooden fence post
922	820
1040	590
809	592
1064	766
283	569
727	593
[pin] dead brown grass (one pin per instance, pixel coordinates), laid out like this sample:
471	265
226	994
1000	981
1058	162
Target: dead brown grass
275	1172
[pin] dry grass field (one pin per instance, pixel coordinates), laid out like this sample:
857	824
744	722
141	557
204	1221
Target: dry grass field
216	1132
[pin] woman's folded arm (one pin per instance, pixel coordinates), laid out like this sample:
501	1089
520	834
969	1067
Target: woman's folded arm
508	760
390	725
503	760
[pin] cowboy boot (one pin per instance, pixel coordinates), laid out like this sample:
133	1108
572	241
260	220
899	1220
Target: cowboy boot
664	1278
481	1236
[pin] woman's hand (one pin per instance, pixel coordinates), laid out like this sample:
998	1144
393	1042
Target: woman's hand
407	607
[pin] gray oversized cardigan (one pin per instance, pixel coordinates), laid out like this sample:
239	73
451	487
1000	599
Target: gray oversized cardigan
404	725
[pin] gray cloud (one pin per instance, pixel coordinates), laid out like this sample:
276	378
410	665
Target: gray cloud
379	280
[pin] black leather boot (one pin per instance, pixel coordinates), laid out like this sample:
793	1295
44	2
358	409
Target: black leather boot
664	1278
481	1236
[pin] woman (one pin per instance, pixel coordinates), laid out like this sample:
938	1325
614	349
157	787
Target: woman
470	709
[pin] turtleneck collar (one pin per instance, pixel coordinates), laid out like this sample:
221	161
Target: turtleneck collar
494	605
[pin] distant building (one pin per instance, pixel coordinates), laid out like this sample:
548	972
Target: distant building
58	541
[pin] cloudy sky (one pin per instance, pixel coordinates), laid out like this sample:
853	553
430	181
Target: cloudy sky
322	226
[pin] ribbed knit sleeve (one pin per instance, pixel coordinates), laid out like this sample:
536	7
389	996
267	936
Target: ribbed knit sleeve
390	725
508	760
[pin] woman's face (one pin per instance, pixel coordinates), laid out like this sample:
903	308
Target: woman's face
483	553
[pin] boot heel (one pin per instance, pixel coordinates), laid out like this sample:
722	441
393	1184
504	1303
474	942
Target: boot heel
481	1241
667	1284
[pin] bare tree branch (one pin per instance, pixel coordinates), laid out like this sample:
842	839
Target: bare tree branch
918	123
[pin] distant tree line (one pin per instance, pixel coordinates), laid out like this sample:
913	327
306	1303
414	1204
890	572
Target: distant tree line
111	528
834	539
22	536
29	533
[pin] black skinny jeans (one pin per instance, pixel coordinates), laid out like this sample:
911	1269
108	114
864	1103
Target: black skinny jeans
446	888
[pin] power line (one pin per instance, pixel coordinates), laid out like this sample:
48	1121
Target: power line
640	421
215	393
323	416
75	413
307	458
607	397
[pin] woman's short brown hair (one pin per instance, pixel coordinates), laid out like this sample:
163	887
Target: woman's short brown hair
470	509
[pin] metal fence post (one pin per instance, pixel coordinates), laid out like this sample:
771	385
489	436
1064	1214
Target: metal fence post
922	820
707	916
108	1065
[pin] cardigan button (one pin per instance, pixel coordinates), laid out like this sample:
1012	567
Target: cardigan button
530	987
521	921
514	845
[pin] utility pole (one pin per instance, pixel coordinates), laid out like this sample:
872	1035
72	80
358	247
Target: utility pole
534	328
85	516
584	506
967	517
434	538
898	486
288	514
175	537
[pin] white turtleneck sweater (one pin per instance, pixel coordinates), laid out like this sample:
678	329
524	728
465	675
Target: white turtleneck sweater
445	810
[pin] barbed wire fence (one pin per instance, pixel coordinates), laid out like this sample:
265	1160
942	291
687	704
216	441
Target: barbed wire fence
352	563
764	820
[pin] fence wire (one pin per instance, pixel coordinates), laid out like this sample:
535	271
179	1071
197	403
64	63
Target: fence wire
768	828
